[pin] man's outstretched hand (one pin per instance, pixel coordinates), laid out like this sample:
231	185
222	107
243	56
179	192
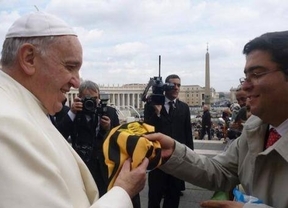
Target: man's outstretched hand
166	142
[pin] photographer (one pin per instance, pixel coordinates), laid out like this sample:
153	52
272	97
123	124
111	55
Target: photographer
172	118
87	123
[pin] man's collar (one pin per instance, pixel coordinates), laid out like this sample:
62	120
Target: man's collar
167	100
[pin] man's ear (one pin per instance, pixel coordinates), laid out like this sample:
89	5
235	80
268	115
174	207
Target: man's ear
27	54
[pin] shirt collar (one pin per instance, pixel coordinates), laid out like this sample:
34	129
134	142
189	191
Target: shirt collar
167	101
282	128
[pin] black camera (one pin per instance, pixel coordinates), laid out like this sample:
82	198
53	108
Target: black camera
102	106
158	88
89	105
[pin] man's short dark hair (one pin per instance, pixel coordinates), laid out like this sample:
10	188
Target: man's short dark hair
276	43
171	76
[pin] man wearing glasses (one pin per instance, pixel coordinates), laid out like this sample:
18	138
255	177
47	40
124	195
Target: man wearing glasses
258	159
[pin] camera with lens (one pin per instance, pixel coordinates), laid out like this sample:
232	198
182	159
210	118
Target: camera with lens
91	106
158	88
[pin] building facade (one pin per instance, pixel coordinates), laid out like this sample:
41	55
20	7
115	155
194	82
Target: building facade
131	95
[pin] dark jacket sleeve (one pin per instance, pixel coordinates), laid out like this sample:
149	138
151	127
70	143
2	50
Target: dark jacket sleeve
114	121
150	117
113	117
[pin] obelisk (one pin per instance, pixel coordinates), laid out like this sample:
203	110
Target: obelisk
207	79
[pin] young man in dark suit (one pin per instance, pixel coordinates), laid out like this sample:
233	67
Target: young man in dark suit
173	119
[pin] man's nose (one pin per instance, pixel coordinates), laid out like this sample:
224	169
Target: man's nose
75	81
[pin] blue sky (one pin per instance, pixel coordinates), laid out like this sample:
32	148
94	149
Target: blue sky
122	39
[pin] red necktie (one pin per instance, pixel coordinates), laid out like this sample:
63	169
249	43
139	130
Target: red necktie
273	137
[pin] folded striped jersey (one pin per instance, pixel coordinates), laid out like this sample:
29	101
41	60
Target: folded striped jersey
127	141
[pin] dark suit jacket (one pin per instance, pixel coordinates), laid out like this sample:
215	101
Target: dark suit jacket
57	118
206	119
178	126
67	127
87	144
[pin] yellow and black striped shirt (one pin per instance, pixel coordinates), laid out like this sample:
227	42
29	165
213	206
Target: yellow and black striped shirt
127	141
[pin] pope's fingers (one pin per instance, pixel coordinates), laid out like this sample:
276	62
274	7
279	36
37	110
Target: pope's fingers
144	163
127	165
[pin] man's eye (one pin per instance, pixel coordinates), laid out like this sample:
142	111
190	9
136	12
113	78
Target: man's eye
255	74
70	67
